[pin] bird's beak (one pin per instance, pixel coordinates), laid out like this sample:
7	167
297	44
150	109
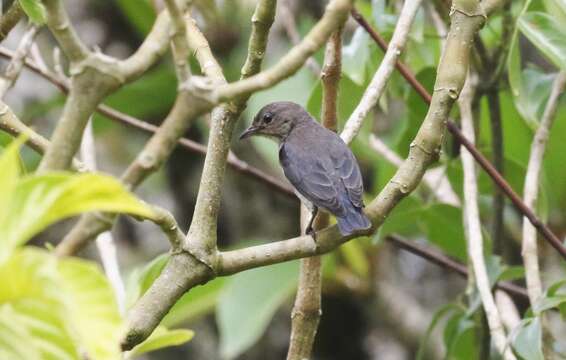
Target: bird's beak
252	130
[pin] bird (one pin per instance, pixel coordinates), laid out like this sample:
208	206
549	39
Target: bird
320	166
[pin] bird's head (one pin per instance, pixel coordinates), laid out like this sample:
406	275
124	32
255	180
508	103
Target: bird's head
276	120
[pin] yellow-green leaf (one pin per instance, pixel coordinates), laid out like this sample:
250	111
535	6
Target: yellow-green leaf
38	201
163	337
92	309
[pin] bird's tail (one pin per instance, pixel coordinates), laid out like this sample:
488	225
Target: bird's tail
353	221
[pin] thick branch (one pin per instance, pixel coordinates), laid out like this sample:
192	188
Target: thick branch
531	189
10	18
61	27
201	239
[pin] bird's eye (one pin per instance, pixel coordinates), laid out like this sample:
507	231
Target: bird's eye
267	118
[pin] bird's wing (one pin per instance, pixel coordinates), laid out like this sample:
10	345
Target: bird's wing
347	168
311	178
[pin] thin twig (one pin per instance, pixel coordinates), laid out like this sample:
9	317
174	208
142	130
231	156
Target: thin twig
104	242
446	262
179	45
531	189
473	227
498	161
16	65
10	18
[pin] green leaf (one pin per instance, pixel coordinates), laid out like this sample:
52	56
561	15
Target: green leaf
92	308
557	8
10	168
547	34
14	337
356	55
439	314
355	257
403	218
248	303
160	80
548	302
443	225
140	13
459	338
532	99
162	337
38	201
140	279
35	10
527	339
199	301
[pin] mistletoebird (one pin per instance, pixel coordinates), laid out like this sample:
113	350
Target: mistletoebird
320	166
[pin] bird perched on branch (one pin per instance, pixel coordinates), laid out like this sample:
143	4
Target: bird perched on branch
317	162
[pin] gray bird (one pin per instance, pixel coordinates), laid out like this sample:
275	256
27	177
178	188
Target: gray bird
317	162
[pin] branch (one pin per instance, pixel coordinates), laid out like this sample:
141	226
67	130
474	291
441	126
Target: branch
10	123
449	264
201	238
531	188
336	14
498	161
473	227
383	73
152	48
16	64
484	163
104	242
179	45
60	25
10	18
306	312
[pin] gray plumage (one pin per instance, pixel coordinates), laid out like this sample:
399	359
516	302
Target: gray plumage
317	162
